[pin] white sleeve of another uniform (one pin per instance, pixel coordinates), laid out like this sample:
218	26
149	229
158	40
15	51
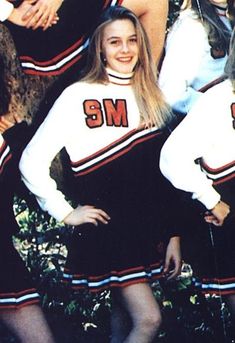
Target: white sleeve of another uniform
188	142
5	9
184	52
37	157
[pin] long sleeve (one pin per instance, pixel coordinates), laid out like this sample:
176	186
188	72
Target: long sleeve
192	140
94	122
36	160
182	68
5	9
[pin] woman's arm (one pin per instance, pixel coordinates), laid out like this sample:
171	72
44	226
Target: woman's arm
36	159
187	143
51	137
6	9
14	15
153	16
7	121
86	214
218	214
185	49
173	261
28	14
43	14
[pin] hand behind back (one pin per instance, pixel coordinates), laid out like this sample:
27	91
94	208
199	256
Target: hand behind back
36	13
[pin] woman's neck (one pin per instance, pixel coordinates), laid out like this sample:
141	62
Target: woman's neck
119	78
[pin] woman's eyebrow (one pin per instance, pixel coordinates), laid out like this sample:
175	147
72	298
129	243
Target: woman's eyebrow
118	37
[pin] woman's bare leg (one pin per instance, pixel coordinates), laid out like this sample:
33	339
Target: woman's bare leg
28	324
120	320
144	312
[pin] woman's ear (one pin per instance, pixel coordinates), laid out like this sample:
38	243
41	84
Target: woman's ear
102	57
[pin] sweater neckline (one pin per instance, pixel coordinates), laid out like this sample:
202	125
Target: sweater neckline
119	78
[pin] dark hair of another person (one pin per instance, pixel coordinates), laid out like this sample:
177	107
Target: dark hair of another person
218	34
4	93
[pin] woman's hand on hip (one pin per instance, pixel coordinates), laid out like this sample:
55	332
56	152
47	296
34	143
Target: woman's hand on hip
87	214
218	214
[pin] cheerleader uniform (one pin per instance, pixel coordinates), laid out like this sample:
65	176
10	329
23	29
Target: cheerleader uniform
62	46
190	65
115	168
199	157
16	286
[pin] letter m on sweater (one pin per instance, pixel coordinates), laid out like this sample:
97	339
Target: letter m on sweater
116	113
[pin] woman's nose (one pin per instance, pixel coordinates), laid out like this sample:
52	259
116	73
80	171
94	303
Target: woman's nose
125	47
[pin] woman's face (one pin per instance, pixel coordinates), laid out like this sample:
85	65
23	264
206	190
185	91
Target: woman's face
221	3
119	46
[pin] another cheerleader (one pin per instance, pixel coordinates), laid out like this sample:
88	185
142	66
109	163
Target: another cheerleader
198	157
196	52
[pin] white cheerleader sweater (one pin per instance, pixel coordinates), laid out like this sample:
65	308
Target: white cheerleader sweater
5	9
188	65
85	119
206	133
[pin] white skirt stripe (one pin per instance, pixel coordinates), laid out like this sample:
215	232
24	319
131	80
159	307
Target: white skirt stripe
112	278
218	286
58	65
4	154
214	285
114	150
19	299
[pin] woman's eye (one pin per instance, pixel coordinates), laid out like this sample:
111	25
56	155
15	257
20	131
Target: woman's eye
114	42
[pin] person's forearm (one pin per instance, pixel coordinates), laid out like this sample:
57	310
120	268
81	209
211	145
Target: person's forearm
153	16
42	14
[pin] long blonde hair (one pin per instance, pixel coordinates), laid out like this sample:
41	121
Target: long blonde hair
153	109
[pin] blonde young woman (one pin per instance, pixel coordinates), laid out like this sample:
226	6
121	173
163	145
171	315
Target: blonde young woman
111	124
196	51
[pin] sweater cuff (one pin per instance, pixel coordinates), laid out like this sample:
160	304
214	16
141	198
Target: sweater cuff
60	210
5	9
208	199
